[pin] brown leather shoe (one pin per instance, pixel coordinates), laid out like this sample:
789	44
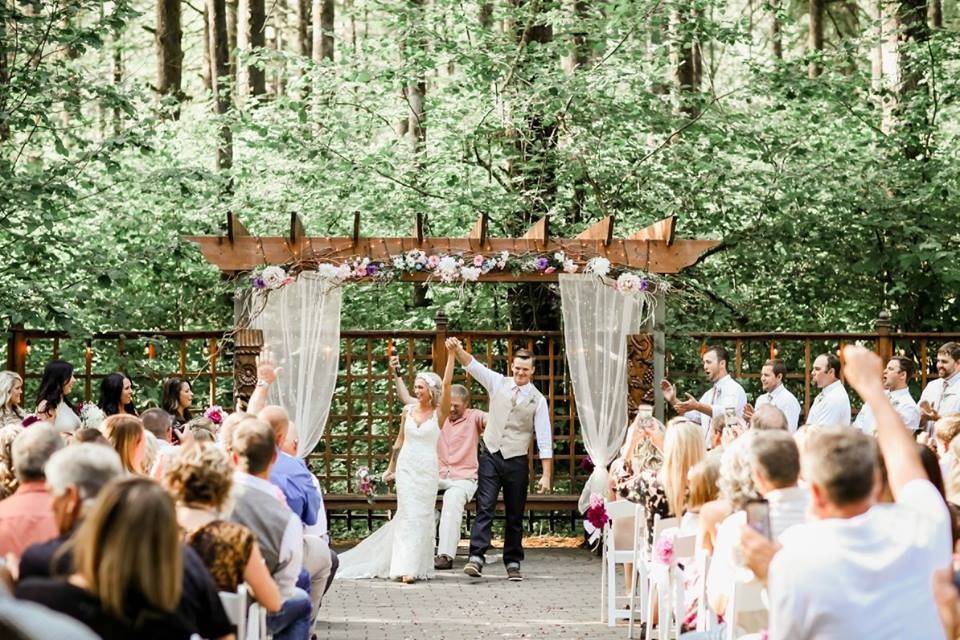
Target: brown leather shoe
473	569
443	562
514	575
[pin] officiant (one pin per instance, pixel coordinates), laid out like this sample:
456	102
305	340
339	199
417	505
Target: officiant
517	411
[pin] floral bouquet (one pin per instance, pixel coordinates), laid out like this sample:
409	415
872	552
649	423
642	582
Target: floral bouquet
369	485
596	513
91	416
214	414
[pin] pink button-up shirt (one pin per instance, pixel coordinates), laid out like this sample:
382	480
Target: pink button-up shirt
26	518
457	446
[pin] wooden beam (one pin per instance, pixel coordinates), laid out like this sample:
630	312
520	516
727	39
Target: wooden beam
479	230
659	230
539	232
600	230
298	243
234	227
419	228
356	228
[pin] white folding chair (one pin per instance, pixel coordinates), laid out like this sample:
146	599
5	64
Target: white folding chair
612	556
684	552
746	597
706	618
662	591
235	604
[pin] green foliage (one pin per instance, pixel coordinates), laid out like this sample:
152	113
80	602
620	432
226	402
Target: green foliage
827	216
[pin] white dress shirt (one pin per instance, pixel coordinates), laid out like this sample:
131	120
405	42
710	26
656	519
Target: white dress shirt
291	544
943	394
902	401
725	391
493	382
832	407
863	577
782	399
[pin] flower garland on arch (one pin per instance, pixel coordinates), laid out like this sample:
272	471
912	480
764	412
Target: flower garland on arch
457	268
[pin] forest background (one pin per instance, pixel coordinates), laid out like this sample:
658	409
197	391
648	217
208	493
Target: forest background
819	139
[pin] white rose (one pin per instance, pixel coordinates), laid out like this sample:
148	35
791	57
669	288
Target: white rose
569	266
273	277
327	271
344	271
399	262
599	266
470	274
628	283
448	268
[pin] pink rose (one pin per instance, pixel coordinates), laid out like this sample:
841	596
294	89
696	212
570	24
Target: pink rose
478	260
549	270
433	261
663	550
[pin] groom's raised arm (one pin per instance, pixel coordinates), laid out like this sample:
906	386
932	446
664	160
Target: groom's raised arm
488	379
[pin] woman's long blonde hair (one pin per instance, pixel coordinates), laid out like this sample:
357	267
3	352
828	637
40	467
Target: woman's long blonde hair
683	447
124	432
10	413
129	542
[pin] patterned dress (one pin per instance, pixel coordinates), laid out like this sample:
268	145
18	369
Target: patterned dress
645	488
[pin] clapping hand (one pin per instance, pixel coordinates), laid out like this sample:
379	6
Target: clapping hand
690	404
266	370
927	411
669	391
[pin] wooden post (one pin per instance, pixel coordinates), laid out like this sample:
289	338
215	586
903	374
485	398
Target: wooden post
439	347
247	344
17	350
88	371
883	326
659	354
212	353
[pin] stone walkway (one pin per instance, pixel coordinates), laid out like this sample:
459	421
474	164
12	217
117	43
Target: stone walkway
559	598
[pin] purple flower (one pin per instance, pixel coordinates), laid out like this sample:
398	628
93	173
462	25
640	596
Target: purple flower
259	283
542	263
644	284
586	464
372	269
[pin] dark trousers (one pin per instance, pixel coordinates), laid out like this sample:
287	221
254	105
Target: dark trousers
495	474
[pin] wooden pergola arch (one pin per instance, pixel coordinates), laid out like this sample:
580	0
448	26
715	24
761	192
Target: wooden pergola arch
653	249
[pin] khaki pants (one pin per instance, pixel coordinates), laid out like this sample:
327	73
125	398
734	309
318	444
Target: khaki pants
317	560
457	493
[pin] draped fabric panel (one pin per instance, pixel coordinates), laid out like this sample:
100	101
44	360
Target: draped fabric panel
301	325
597	318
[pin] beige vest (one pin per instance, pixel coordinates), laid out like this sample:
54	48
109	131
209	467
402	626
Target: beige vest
509	427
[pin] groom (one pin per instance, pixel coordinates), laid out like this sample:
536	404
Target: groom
517	410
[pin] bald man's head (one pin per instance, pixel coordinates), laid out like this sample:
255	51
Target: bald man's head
278	419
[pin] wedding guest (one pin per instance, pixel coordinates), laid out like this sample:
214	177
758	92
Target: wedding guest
458	463
896	377
176	400
259	506
160	424
769	418
774	462
90	435
724	392
844	574
8	478
945	431
11	395
832	405
200	479
932	466
664	492
735	487
116	395
772	376
128	573
26	516
76	476
125	434
942	396
303	497
52	403
703	482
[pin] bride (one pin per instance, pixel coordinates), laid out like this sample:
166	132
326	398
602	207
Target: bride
403	548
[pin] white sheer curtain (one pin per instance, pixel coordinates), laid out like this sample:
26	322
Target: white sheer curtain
596	322
301	325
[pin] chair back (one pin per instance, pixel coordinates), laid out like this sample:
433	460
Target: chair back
235	605
747	597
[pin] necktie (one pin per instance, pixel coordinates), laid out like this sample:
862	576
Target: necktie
515	396
716	391
943	392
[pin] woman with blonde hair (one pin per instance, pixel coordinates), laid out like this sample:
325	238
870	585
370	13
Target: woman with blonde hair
11	395
127	567
126	435
8	479
200	479
664	492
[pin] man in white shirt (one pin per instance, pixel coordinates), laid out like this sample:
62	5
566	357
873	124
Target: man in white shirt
942	396
858	570
725	392
832	406
772	375
896	377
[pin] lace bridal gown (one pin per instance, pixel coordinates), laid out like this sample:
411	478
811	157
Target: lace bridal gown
404	546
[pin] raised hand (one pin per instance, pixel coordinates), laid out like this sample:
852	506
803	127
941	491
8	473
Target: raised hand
864	370
748	412
690	404
453	344
266	369
395	363
669	391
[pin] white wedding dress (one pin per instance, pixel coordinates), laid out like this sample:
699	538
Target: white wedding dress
404	546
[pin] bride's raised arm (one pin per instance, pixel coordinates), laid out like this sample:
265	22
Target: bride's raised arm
444	409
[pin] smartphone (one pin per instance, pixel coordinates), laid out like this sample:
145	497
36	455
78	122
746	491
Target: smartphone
758	517
729	417
392	353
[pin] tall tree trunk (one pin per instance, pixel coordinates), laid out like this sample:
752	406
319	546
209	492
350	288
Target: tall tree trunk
578	60
935	14
117	73
908	26
776	35
279	27
486	14
4	84
815	35
232	16
303	28
323	15
256	35
685	54
207	64
169	45
220	75
416	94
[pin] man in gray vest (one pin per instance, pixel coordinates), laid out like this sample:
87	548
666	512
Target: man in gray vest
260	507
517	411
